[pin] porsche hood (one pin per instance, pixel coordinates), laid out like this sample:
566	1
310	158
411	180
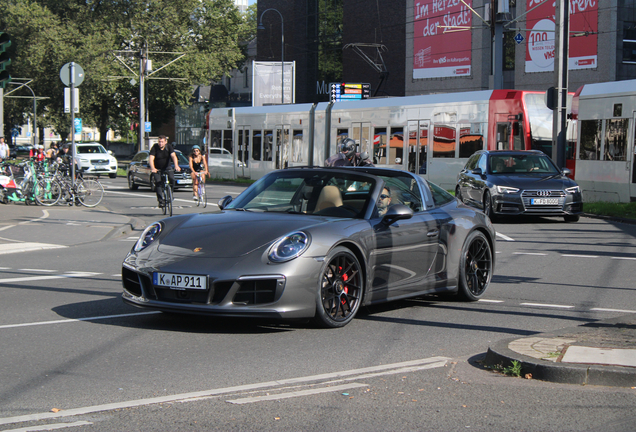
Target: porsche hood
231	233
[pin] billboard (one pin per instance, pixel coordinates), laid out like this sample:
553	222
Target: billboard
540	36
442	39
266	85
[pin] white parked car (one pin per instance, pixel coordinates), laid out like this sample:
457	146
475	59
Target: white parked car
93	158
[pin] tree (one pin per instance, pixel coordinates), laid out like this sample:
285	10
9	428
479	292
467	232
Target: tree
50	33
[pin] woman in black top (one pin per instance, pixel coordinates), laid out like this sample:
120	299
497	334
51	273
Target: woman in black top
198	163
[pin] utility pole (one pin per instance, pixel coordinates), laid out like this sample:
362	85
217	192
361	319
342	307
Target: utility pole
559	121
145	66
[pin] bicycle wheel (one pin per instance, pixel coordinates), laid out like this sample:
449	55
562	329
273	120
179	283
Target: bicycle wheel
90	192
203	197
47	192
168	208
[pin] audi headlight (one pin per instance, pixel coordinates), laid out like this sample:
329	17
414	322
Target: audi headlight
289	247
148	236
507	190
573	190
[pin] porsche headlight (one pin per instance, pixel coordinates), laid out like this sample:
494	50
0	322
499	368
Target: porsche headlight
148	236
507	190
289	247
573	189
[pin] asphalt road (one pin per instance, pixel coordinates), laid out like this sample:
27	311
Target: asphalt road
72	354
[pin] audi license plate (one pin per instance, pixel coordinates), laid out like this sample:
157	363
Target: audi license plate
544	201
180	281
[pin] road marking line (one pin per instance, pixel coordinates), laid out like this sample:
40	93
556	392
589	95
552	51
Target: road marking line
529	253
505	237
298	393
624	258
37	270
77	320
579	256
46	215
613	310
6	227
50	427
27	247
490	301
430	362
35	278
547	305
155	197
5	268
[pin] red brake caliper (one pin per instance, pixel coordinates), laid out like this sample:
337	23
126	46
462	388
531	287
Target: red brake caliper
345	289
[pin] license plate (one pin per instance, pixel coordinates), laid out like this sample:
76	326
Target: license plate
186	181
544	201
180	281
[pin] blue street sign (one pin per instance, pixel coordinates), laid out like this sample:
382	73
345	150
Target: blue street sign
518	38
78	125
148	126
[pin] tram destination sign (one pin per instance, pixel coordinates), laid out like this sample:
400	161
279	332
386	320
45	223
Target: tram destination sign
348	91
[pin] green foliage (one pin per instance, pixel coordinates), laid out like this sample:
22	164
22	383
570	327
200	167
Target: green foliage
619	210
50	33
514	369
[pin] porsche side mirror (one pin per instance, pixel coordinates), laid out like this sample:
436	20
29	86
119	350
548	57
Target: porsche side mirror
397	212
223	202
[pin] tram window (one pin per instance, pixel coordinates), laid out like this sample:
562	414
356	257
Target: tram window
268	145
615	140
470	140
227	140
590	148
342	134
570	144
215	138
517	136
396	146
502	136
257	141
297	146
380	150
444	141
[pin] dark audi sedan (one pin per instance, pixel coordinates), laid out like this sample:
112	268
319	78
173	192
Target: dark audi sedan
506	182
139	173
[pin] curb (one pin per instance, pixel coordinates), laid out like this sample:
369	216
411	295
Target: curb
133	224
612	376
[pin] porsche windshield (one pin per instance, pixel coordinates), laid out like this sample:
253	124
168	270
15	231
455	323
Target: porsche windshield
337	194
522	164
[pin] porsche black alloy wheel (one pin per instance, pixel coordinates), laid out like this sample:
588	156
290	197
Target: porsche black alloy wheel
341	285
475	271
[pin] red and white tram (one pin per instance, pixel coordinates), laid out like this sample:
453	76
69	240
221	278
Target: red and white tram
432	135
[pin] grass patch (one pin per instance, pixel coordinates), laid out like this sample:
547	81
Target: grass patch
620	210
226	180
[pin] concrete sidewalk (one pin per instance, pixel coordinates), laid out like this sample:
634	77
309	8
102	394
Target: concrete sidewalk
598	353
25	228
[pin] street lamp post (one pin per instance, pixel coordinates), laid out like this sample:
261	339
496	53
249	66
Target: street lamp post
282	50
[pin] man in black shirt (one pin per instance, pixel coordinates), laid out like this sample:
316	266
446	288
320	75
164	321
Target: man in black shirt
159	160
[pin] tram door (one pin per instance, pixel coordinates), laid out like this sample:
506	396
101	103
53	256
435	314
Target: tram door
417	147
283	146
510	134
242	151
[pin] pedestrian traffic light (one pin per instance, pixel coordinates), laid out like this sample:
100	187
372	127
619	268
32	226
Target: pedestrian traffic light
5	60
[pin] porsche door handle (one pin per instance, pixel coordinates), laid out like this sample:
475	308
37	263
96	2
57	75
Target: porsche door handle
432	233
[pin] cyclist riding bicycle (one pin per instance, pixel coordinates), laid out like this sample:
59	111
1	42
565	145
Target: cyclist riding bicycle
198	164
161	154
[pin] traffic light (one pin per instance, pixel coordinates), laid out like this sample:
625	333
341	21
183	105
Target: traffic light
5	61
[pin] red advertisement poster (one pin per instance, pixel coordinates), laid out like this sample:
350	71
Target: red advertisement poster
540	36
442	38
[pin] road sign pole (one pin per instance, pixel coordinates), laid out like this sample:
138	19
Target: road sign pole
72	81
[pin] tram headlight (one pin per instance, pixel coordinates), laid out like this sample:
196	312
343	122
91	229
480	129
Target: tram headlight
507	190
573	190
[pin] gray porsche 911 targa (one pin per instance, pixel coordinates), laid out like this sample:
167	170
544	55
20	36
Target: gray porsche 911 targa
313	243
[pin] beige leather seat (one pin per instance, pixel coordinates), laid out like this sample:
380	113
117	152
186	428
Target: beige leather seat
329	197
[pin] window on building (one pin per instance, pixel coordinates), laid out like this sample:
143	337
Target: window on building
629	42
